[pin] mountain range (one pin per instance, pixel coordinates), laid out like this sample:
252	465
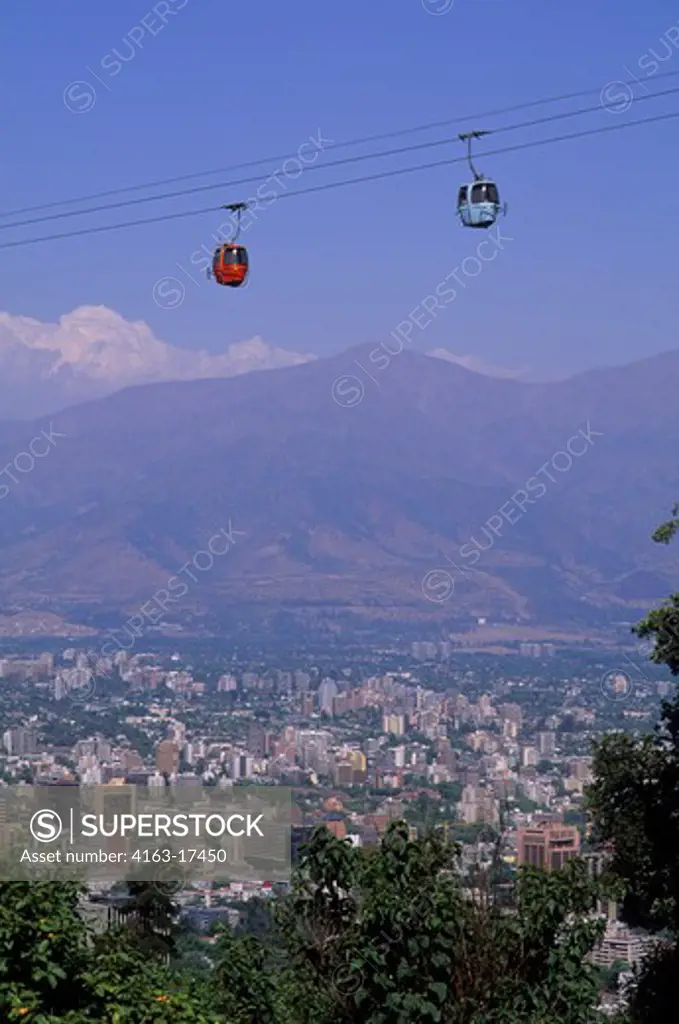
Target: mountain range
94	351
384	483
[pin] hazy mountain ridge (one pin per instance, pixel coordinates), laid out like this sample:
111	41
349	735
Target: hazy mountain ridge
353	505
93	352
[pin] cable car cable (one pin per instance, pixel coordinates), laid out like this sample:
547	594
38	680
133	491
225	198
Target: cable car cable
339	184
318	167
336	145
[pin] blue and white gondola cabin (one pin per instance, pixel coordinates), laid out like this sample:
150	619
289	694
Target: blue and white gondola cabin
478	204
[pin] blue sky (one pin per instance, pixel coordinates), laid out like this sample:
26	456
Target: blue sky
590	277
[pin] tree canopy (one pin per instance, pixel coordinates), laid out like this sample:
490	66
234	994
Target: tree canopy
634	806
381	937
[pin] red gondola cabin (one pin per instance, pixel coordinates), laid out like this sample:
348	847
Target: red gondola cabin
230	264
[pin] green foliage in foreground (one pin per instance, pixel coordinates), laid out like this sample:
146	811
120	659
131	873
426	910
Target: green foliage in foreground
386	937
634	805
52	969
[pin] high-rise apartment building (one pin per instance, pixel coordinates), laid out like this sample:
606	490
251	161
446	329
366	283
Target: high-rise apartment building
327	692
621	944
393	724
258	740
547	743
227	684
19	741
549	845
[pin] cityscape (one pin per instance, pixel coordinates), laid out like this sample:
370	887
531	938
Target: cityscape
494	752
